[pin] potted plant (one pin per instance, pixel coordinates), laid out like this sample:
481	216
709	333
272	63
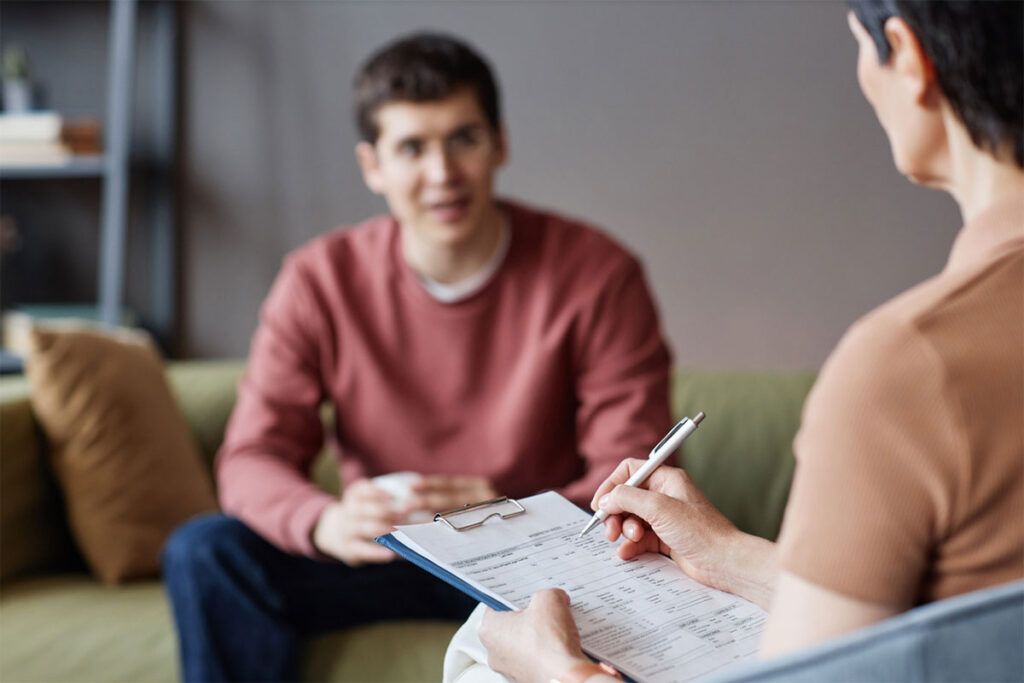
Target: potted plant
17	87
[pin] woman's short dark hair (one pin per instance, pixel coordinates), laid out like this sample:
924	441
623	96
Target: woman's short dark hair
422	67
978	53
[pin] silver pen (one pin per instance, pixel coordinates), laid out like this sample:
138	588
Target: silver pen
659	455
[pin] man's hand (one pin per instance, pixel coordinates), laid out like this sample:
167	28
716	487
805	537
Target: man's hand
670	515
440	492
539	643
346	529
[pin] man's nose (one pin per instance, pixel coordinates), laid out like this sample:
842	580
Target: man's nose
441	167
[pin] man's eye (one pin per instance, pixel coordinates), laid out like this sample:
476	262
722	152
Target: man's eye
410	148
466	138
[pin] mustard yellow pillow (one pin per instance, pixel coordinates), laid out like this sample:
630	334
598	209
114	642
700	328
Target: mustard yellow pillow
128	465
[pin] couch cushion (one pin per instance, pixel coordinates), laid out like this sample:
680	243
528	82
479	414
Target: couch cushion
742	455
72	628
122	451
368	653
205	391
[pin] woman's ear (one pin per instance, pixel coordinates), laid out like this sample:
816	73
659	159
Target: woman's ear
913	67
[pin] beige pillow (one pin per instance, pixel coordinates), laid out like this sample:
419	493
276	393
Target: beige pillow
122	451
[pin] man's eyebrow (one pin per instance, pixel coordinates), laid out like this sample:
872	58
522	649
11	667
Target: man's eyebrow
470	127
407	139
467	128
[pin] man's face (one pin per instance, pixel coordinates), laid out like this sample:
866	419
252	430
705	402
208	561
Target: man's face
434	163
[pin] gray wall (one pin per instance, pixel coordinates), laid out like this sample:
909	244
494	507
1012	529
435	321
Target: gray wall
726	143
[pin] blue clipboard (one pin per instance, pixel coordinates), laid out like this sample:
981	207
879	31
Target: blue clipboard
449	518
392	543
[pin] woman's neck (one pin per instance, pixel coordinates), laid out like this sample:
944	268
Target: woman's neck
980	179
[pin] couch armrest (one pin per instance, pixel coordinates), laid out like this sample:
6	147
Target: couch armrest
34	535
970	637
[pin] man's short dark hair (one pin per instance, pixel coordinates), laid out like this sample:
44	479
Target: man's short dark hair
422	67
978	53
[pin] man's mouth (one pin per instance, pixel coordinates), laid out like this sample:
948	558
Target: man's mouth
449	211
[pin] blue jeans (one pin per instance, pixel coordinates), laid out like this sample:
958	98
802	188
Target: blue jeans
242	605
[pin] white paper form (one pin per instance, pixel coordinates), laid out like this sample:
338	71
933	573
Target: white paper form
644	616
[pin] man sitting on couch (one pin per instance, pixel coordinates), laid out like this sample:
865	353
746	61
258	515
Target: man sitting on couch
491	347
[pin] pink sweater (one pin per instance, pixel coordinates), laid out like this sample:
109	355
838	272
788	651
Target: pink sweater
546	378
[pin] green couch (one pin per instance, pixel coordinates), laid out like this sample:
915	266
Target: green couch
58	623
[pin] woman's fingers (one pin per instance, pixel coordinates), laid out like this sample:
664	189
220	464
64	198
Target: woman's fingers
612	527
622	473
633	529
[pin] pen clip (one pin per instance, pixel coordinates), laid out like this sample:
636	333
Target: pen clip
664	439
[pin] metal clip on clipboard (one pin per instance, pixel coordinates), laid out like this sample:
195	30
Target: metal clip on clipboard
516	510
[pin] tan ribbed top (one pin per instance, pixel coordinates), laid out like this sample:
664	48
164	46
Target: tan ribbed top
909	484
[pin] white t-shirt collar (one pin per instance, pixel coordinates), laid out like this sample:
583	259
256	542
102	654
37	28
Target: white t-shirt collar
453	292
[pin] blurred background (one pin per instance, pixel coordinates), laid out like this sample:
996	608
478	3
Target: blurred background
725	143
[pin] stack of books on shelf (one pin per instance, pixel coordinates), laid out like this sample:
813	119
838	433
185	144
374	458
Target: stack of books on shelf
45	138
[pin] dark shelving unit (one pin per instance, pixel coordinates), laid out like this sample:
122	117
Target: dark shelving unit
114	167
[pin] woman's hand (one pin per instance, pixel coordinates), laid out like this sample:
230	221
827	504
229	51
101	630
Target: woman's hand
539	643
670	515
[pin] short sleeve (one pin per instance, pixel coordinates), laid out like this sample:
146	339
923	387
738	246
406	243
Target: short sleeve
876	475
